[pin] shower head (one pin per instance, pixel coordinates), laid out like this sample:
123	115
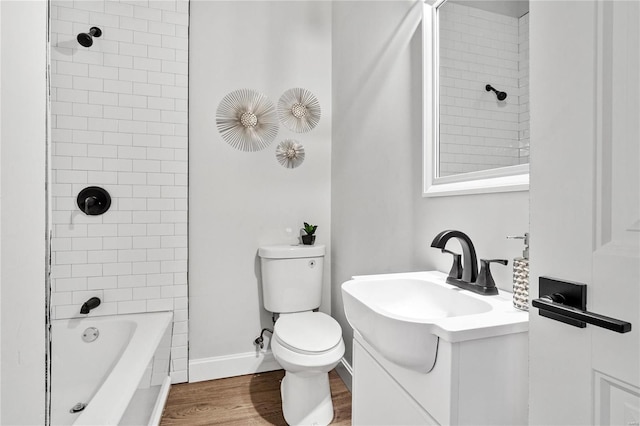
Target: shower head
86	39
500	95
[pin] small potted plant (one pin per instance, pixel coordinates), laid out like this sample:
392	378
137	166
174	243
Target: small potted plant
309	238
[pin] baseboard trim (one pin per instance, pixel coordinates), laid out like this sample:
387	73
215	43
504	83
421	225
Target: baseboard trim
231	365
345	372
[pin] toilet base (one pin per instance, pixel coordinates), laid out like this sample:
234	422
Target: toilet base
306	399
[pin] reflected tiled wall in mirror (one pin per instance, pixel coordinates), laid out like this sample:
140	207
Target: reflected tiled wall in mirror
480	47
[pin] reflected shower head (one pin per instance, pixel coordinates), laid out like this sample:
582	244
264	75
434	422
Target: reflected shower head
500	95
86	39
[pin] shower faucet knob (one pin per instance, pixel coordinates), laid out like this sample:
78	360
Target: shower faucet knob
93	200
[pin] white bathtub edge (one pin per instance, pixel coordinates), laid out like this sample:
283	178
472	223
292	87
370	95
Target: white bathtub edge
110	402
231	365
156	414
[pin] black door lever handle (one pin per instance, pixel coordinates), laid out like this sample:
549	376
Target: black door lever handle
567	302
546	303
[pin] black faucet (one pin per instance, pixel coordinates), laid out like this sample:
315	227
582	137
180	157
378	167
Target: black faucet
468	278
90	304
469	260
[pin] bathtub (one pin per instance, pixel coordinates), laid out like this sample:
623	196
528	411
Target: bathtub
122	376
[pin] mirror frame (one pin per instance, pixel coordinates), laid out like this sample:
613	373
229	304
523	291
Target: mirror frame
504	179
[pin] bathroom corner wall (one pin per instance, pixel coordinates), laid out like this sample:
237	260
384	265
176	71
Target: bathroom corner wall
378	109
242	200
119	121
377	159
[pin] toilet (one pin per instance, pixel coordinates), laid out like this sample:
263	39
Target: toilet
307	344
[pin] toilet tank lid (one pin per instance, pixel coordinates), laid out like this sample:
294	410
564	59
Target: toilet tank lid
291	252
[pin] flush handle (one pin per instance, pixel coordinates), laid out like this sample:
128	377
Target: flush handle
567	302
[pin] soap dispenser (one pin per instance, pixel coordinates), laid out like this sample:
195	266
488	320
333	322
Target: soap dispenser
521	275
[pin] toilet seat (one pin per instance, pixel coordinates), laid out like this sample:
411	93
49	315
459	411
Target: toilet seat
311	333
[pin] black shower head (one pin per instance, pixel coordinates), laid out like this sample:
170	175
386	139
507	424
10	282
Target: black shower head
500	95
86	39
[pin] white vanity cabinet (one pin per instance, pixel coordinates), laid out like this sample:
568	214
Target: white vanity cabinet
474	382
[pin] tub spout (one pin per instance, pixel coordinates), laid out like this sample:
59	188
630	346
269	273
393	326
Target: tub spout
90	304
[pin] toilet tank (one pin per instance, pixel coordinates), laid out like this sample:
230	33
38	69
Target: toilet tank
291	277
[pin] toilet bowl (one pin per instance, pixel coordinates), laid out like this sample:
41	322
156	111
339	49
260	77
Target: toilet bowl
307	345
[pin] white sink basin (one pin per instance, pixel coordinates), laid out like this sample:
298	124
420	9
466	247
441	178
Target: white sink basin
403	315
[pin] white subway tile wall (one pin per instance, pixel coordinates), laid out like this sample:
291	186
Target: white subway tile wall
119	121
478	132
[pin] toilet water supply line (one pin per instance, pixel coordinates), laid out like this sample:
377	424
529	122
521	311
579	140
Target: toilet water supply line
260	340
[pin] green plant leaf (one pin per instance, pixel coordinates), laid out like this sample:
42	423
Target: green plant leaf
310	229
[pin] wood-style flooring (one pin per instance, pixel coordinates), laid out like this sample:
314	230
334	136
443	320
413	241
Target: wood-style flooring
244	400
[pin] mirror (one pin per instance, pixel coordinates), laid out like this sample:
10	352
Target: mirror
476	96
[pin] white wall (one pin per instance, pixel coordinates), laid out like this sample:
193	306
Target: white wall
238	200
381	223
1	83
119	121
0	215
23	136
376	136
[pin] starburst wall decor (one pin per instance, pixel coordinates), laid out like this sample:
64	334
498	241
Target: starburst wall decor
290	153
299	110
247	120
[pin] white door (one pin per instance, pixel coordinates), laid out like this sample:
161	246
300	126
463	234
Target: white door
585	207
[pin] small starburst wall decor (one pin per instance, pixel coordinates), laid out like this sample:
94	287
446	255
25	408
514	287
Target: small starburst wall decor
299	110
247	120
290	153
